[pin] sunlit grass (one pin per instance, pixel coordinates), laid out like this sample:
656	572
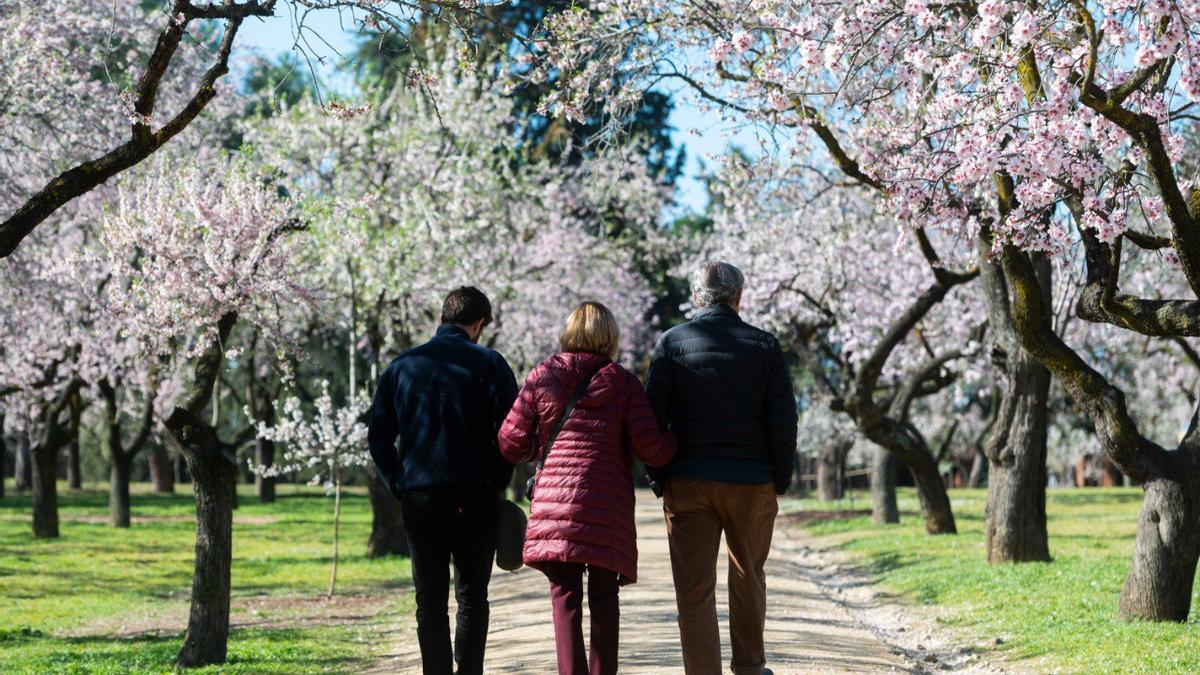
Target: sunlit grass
1060	615
65	599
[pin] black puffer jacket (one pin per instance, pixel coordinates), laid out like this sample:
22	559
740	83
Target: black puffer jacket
722	386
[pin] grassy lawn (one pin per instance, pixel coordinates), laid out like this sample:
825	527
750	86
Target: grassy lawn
1057	616
106	600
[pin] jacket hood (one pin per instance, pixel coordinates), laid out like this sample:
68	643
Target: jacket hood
565	370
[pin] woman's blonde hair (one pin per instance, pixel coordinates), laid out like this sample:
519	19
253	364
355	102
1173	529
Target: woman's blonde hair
591	328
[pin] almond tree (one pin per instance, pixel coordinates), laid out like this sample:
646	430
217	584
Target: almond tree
1048	130
93	88
195	250
325	446
866	302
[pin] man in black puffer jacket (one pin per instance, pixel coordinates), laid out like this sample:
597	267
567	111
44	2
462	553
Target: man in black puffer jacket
722	386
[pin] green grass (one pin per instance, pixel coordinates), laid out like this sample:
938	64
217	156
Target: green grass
105	600
1056	616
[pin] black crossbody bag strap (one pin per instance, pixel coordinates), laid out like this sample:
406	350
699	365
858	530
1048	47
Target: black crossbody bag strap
558	425
562	419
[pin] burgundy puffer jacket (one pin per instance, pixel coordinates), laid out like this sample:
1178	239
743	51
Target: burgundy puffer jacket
582	509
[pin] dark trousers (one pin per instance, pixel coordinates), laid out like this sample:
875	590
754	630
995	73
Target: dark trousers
566	595
697	512
451	523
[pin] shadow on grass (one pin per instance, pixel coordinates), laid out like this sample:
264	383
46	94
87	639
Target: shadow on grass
250	650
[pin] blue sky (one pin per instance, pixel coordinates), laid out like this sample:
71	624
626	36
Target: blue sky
702	133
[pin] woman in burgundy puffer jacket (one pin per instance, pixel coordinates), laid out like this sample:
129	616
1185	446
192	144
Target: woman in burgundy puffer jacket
582	512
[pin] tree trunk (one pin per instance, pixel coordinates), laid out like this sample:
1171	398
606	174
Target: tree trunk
162	472
883	487
387	525
45	491
121	466
264	455
214	479
337	519
22	463
979	470
931	491
831	460
1159	585
1016	506
74	476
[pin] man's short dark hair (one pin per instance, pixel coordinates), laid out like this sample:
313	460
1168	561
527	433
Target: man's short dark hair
465	305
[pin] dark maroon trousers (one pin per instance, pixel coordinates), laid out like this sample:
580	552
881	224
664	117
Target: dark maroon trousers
566	595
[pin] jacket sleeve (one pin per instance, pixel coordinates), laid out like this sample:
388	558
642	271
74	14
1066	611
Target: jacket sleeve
382	430
518	434
642	433
658	383
781	419
504	392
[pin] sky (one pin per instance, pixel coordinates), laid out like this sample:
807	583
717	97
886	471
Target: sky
328	35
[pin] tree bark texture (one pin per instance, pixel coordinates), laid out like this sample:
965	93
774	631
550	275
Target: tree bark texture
213	469
1016	507
1167	543
883	487
214	479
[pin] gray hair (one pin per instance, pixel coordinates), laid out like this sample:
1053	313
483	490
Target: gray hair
717	282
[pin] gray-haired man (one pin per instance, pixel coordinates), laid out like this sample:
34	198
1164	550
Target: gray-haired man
724	389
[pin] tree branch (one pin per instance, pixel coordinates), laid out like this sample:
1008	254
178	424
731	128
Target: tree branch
79	180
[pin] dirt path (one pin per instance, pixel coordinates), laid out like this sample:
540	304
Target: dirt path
807	630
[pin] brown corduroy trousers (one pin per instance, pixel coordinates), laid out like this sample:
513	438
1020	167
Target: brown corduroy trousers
697	511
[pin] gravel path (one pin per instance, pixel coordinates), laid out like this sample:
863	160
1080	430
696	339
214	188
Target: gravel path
809	629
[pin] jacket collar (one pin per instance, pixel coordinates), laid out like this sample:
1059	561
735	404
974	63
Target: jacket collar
451	330
724	311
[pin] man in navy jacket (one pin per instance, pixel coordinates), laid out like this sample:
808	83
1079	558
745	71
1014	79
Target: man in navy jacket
723	387
433	435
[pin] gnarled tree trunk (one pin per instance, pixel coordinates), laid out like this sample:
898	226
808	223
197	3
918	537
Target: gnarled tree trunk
387	524
891	428
883	487
214	480
1167	545
1016	506
214	484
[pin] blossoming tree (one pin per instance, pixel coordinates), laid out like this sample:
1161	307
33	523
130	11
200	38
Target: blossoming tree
326	445
196	250
847	286
1040	129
